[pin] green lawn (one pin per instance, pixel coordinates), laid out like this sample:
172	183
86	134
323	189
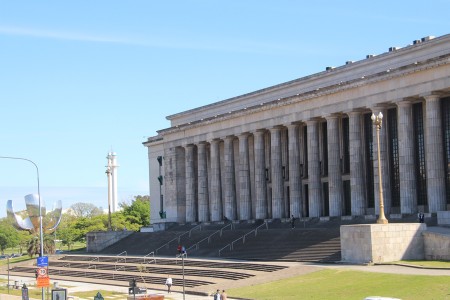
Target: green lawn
427	263
332	284
348	285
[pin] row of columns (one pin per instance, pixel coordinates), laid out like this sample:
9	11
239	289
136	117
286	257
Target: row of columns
209	194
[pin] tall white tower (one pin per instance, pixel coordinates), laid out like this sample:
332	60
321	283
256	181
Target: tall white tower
111	172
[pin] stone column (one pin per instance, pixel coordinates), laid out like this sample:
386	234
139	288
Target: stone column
203	194
230	183
190	184
358	196
260	175
335	186
245	202
314	186
408	190
276	171
216	190
295	184
384	164
434	155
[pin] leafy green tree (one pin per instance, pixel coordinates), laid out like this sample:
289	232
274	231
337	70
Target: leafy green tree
85	225
67	232
9	235
24	238
138	212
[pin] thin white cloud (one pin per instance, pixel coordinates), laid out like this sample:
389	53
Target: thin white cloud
171	42
59	35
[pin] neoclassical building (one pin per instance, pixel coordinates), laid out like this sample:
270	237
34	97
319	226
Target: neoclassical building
308	147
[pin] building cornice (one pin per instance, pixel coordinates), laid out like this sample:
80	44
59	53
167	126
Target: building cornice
314	93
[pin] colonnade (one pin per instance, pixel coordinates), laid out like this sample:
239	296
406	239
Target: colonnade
278	171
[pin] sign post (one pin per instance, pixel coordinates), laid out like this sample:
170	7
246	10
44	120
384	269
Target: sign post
42	279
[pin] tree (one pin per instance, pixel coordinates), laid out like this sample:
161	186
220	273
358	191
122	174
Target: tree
33	247
138	212
66	230
9	235
85	210
24	237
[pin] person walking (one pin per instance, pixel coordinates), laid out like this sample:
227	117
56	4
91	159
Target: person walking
293	222
168	283
217	295
223	295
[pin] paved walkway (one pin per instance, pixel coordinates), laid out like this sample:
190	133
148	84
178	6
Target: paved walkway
293	270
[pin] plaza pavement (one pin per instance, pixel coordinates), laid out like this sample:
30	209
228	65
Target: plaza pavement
295	268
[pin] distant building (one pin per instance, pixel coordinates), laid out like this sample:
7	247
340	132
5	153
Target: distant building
308	147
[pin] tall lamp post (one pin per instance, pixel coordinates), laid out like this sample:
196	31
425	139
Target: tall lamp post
182	260
377	120
40	212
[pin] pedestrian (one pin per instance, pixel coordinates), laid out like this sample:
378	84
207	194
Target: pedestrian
179	249
223	295
421	217
217	295
183	250
293	222
168	283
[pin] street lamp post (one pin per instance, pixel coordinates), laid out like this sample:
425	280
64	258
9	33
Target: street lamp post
377	120
40	211
182	260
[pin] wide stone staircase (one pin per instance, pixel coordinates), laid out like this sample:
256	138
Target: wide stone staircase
218	255
275	240
198	276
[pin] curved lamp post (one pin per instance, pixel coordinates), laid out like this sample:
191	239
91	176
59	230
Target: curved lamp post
40	211
377	120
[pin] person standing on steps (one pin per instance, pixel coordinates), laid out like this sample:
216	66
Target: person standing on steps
169	283
293	222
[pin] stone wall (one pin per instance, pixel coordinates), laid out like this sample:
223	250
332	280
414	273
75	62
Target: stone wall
443	218
437	245
379	243
99	240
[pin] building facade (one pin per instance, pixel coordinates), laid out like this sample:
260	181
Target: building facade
308	147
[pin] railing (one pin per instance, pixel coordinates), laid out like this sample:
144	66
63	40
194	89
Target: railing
178	238
120	259
197	245
152	254
231	245
64	266
119	267
92	260
184	255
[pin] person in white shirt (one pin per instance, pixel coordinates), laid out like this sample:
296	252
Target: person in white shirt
168	283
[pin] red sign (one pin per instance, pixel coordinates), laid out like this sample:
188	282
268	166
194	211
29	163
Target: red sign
42	272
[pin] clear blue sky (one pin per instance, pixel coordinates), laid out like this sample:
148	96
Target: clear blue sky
79	78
